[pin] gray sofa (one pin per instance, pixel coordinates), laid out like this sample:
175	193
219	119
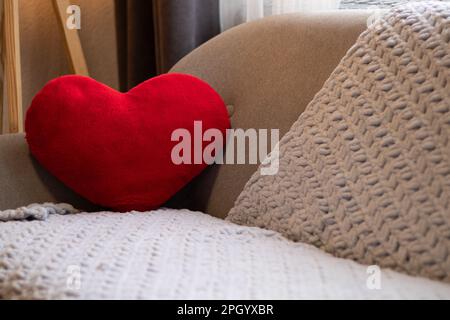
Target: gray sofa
269	70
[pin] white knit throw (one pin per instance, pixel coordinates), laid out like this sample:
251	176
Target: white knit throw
179	254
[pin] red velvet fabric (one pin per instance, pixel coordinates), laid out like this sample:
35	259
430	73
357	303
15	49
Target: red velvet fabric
115	148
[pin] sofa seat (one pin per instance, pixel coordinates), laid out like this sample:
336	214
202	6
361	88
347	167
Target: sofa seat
179	254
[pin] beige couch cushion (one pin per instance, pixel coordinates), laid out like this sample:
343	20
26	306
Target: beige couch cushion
269	70
365	171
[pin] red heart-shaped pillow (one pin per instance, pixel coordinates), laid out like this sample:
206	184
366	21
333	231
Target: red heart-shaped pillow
115	148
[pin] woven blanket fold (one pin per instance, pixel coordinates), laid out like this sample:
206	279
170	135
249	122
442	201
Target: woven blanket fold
365	171
36	211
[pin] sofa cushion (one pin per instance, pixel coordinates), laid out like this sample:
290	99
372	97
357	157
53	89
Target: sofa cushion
365	171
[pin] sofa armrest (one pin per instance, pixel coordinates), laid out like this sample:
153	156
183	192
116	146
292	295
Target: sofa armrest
23	181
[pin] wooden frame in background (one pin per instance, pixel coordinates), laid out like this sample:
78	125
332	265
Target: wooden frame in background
12	66
11	58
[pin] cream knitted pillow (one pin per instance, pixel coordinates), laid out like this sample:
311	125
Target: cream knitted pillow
365	171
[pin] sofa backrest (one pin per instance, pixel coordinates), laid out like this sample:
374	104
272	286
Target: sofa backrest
269	70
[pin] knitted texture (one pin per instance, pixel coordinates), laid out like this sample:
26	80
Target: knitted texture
370	4
171	254
36	211
365	171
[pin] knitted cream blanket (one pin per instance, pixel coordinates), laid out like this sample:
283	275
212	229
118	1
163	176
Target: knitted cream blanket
179	254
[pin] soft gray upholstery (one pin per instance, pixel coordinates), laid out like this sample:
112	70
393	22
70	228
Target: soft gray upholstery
23	181
268	69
